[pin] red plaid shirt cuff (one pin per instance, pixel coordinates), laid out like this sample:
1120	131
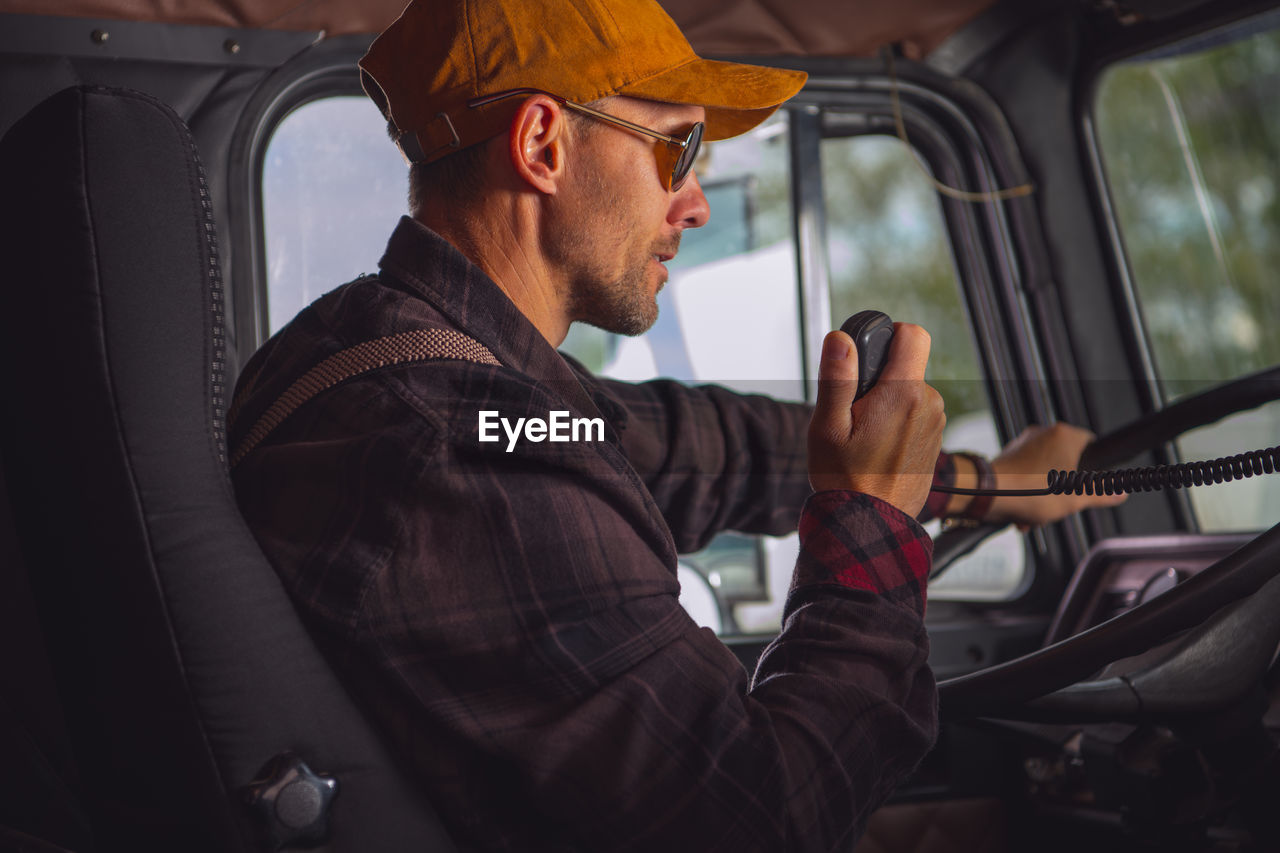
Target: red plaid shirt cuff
855	541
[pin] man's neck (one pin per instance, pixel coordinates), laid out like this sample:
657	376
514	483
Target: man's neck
504	245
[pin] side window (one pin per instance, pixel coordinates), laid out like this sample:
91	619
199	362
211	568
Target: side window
888	249
1190	142
333	187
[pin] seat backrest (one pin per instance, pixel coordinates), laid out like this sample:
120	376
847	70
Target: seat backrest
181	665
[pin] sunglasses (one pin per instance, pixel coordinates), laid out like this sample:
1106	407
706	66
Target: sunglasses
675	158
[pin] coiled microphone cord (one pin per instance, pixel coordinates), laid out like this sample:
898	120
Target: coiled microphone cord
1126	481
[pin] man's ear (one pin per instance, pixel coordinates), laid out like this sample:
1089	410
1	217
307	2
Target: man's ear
537	143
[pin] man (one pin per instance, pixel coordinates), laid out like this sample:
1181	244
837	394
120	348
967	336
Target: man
505	603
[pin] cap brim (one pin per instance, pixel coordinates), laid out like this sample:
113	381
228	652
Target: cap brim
737	96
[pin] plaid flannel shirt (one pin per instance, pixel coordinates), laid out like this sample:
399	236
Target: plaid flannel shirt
511	618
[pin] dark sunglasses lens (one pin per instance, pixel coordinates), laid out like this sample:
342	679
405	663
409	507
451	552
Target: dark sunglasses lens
684	165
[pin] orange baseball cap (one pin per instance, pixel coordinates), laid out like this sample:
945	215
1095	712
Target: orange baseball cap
440	54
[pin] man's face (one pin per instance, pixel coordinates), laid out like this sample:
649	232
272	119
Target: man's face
618	225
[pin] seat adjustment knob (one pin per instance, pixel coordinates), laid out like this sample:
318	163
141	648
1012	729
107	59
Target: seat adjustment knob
291	802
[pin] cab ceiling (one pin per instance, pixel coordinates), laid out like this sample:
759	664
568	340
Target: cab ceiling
715	27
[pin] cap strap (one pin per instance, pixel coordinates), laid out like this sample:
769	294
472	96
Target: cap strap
427	143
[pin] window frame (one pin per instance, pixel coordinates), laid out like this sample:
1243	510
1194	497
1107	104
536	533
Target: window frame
324	70
1000	255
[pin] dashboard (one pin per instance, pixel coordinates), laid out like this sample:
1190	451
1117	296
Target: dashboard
1119	574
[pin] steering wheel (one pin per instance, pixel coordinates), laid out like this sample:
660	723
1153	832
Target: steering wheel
1046	684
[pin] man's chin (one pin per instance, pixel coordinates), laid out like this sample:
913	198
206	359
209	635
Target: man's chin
636	325
628	323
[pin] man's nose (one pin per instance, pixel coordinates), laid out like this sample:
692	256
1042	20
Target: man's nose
689	207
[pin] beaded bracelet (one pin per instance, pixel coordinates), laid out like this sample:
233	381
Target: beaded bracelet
980	505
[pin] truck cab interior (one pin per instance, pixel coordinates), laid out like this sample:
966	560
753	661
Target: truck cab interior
1079	199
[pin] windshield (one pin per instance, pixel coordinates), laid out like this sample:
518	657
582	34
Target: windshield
1190	142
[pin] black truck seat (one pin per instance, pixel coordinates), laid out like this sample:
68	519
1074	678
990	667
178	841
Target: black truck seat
181	667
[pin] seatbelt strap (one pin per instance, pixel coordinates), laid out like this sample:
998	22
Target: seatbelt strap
405	347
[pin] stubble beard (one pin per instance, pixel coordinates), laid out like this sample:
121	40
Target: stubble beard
623	305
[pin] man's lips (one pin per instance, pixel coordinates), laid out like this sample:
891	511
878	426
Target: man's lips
666	253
